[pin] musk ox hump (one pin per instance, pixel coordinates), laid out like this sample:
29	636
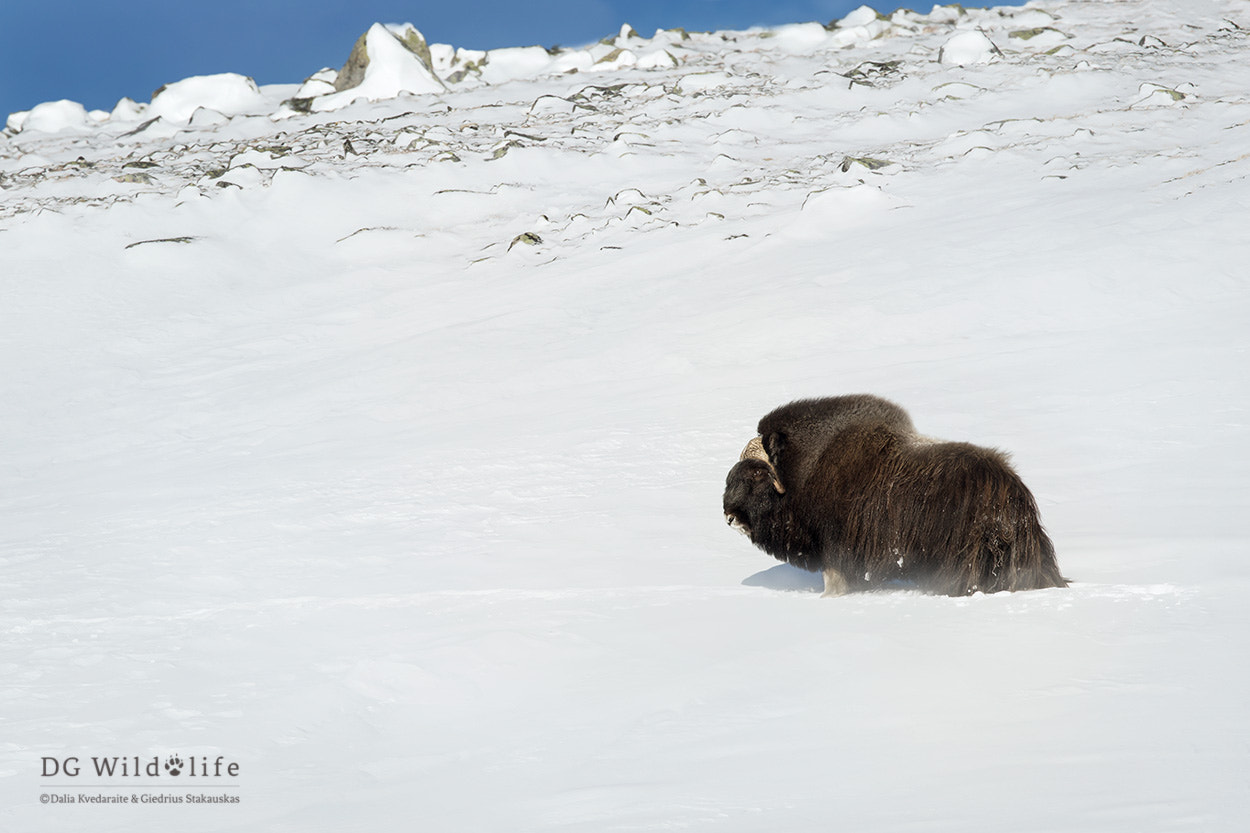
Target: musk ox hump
795	435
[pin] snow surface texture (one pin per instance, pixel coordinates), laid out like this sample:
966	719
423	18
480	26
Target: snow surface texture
381	449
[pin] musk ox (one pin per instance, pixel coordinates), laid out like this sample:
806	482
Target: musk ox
846	486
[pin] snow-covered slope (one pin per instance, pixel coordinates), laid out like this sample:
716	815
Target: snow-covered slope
379	448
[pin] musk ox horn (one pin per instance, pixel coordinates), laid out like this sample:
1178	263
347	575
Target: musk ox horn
755	451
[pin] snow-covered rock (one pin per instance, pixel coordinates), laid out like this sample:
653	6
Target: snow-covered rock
227	93
948	14
862	16
385	62
967	48
863	24
128	110
502	65
617	59
575	60
319	83
50	117
657	59
798	36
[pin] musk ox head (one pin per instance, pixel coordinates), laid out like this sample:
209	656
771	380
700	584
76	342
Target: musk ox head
751	489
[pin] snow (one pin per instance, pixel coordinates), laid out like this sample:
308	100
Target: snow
381	450
698	82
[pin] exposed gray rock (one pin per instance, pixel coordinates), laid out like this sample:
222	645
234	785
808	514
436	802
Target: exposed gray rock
353	72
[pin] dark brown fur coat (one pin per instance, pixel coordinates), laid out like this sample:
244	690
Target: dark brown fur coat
868	498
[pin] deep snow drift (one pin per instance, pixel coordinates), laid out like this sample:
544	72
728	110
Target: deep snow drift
377	445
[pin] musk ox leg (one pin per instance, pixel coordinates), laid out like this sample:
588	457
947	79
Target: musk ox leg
835	583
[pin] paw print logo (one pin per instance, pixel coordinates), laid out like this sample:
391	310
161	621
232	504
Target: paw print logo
174	765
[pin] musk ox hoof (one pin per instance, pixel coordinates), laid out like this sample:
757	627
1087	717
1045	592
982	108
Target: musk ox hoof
835	584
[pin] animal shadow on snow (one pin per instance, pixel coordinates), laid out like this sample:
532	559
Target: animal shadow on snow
787	577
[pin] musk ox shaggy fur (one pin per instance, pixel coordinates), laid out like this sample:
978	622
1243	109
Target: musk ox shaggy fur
846	486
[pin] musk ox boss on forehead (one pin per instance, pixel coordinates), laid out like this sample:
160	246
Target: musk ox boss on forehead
846	486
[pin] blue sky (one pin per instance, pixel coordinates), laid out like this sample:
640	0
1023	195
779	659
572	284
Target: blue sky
97	51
